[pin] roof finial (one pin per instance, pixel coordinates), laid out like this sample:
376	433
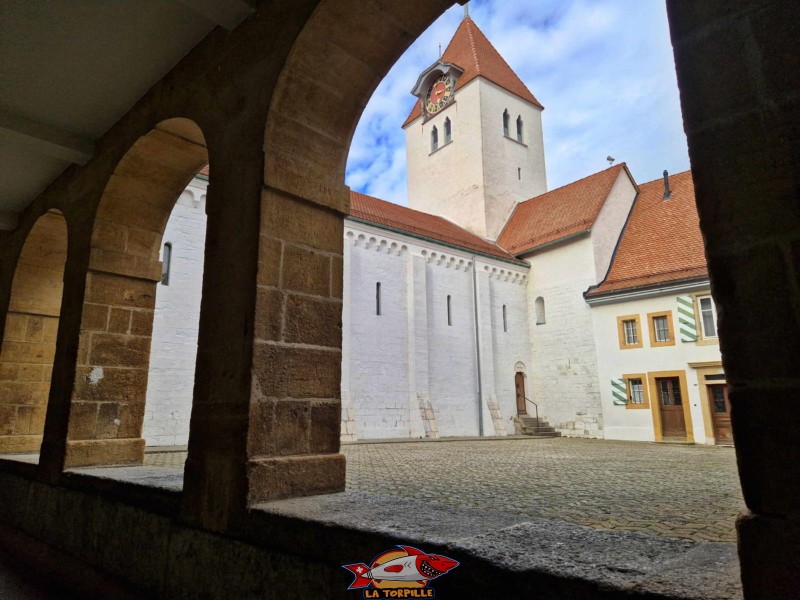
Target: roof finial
466	10
440	50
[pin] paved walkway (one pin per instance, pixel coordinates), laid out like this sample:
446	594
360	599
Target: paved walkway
686	492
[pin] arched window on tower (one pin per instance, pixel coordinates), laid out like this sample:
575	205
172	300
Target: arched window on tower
539	309
434	139
519	128
505	123
448	131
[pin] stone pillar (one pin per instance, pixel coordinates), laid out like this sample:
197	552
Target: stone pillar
738	65
295	410
485	341
422	420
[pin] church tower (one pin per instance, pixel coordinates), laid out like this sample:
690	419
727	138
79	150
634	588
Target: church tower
474	138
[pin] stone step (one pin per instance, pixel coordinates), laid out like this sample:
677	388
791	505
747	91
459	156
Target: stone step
539	429
542	436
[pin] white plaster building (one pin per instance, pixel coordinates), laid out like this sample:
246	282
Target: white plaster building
490	299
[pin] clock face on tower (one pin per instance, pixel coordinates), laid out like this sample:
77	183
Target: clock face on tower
439	93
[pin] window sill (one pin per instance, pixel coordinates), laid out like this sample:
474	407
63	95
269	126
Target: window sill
630	406
707	341
445	145
515	140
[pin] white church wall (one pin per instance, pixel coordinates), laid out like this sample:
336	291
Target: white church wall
609	223
452	363
510	339
410	372
563	370
173	348
449	181
622	422
513	171
376	389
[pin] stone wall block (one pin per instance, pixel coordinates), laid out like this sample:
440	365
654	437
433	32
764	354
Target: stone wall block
120	351
82	420
142	322
16	325
107	420
305	271
261	428
8	417
143	243
292	427
269	314
95	317
269	261
299	222
119	385
768	452
326	420
287	372
313	321
293	476
119	320
116	290
86	453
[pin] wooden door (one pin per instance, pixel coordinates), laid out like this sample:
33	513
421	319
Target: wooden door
670	404
720	413
519	384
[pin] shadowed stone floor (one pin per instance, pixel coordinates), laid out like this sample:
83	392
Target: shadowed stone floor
674	491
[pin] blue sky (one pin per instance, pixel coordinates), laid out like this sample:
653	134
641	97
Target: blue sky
603	69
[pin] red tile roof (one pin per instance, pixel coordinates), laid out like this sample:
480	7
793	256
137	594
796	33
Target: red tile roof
414	222
661	242
559	213
473	52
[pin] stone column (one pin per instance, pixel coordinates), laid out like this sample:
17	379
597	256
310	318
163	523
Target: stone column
738	65
486	344
422	422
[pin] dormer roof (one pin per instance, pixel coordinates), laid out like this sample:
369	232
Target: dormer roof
561	213
472	52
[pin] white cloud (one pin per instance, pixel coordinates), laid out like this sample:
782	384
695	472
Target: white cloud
602	68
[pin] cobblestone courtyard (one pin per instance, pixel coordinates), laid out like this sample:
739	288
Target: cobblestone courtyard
688	492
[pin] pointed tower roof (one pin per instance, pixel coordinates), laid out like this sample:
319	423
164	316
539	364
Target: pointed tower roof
473	52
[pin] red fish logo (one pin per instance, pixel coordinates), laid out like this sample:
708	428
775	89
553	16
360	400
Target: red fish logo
408	568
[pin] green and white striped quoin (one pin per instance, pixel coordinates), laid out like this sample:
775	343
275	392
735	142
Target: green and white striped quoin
619	392
686	319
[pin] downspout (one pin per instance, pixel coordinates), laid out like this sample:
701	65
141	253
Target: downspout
477	343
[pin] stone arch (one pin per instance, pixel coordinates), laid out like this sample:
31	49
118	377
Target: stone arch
358	41
28	346
107	404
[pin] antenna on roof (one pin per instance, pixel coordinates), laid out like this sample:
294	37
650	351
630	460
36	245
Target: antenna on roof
610	160
667	192
466	10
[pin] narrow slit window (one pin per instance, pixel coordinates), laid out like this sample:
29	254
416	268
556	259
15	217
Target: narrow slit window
449	312
448	131
505	318
519	173
166	263
505	123
378	298
519	128
434	139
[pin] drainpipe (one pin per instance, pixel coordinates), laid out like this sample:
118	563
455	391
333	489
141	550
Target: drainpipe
477	342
